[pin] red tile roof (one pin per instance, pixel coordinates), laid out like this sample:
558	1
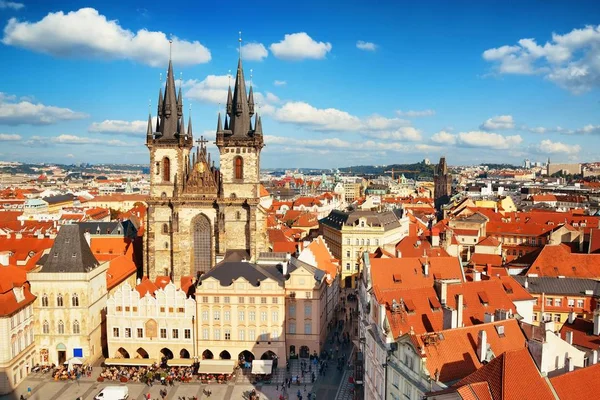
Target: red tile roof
510	376
325	261
454	355
13	277
489	241
557	260
413	246
475	391
583	336
485	259
579	384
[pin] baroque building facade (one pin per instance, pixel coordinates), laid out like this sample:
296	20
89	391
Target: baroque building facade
199	215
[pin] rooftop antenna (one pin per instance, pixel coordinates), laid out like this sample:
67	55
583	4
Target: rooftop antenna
240	40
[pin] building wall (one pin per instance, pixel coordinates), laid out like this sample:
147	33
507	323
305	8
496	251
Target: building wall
163	321
249	187
570	168
557	308
245	333
17	348
551	354
306	308
91	290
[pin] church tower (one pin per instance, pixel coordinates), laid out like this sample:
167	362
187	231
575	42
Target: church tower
442	180
199	215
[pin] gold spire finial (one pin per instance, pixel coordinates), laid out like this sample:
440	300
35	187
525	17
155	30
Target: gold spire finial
229	76
170	48
250	76
240	40
149	106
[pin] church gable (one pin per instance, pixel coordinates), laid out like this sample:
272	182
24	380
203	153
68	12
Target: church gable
201	177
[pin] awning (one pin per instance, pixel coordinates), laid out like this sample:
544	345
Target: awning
216	366
130	361
263	367
180	362
74	361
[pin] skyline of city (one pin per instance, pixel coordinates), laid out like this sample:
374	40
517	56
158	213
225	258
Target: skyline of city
382	93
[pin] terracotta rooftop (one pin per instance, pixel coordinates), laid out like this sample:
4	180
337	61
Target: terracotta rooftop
583	333
454	354
558	260
414	246
579	384
510	376
13	277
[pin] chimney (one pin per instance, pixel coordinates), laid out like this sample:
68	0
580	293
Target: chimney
426	268
569	337
526	285
597	323
284	267
459	311
488	317
571	317
435	237
482	346
450	318
138	281
443	291
88	238
594	359
476	276
398	254
570	366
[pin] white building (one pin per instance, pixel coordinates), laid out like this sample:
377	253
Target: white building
71	293
151	324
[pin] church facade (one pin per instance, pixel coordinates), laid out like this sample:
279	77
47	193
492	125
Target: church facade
198	214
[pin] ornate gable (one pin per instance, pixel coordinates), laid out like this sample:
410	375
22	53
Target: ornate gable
202	178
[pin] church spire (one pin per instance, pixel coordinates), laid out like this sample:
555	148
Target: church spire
229	101
149	130
219	126
170	107
190	127
251	101
240	115
226	123
258	127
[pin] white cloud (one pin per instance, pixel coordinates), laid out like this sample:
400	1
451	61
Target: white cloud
331	119
9	137
415	113
498	122
72	139
443	137
213	89
571	60
120	127
587	130
367	46
70	155
279	83
299	46
11	4
488	140
254	52
87	33
25	112
334	143
550	147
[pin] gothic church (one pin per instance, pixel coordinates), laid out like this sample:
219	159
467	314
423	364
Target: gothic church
200	215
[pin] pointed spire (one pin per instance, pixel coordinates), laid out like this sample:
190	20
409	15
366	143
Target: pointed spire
240	115
251	101
170	112
190	127
160	102
219	126
181	126
229	101
149	131
258	127
226	123
180	103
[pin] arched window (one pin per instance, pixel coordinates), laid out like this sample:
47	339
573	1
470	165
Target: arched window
76	327
165	228
75	300
46	327
44	300
61	327
59	300
239	168
166	169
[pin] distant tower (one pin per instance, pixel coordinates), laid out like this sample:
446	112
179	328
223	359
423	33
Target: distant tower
442	180
527	164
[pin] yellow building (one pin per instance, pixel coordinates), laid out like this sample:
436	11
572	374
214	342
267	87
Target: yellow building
348	235
241	312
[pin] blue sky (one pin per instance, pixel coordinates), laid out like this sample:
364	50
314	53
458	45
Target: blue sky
340	83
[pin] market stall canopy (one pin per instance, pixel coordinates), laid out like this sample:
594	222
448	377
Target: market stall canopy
180	362
262	367
130	361
216	366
